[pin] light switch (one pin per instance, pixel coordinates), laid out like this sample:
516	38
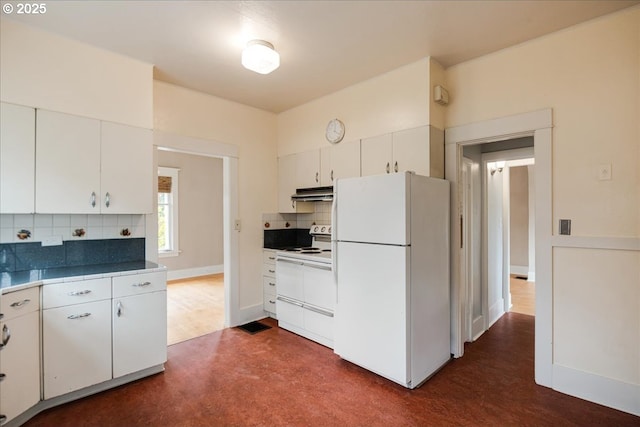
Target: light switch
604	172
565	227
52	241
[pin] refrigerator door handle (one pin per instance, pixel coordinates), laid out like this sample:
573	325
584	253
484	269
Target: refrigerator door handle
334	235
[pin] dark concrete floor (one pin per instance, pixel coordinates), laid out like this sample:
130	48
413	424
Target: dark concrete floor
275	378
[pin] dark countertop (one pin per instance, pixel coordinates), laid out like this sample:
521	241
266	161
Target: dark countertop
15	280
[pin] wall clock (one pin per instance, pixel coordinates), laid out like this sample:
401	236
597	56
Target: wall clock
335	131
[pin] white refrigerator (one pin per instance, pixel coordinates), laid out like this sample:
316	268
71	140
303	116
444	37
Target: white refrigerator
391	263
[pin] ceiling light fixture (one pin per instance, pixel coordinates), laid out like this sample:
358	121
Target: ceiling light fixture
260	56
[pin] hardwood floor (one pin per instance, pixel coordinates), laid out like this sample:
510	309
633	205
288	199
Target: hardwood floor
195	307
523	296
277	378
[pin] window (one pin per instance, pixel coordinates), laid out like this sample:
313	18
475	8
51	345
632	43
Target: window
168	212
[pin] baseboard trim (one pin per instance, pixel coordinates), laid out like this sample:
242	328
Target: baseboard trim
194	272
520	270
598	389
477	328
495	312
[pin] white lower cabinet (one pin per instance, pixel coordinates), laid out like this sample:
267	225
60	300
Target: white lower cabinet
76	346
139	322
102	329
269	289
20	353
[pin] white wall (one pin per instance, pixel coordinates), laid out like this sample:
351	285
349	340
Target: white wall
519	219
590	76
47	71
390	102
185	112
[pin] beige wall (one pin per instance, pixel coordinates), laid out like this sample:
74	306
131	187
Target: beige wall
590	76
186	112
519	216
47	71
200	210
390	102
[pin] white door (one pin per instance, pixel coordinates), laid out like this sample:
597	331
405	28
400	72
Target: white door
371	314
139	332
373	209
68	159
126	169
17	158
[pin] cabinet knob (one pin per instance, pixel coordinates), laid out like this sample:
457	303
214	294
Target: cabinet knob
395	167
388	168
317	177
2	377
93	199
107	199
331	175
293	204
119	309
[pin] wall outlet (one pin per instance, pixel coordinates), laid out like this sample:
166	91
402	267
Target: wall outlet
565	227
52	241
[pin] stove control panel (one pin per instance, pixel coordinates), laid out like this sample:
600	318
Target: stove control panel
321	229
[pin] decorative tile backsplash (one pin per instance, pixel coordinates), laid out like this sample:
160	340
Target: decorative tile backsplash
34	228
276	221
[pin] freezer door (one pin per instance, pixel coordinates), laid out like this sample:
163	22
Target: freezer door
371	313
373	209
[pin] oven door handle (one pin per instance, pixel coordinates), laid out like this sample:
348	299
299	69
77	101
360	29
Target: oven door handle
317	265
319	310
289	301
290	261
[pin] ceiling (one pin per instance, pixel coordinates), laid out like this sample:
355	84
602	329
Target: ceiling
324	45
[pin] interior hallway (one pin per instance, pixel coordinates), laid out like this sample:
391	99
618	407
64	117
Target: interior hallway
276	378
195	307
523	296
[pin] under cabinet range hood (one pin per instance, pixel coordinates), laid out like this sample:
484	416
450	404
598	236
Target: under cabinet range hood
315	194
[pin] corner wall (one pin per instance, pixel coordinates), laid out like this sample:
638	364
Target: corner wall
589	75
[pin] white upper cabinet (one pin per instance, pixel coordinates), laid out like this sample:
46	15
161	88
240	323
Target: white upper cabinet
126	169
87	166
339	161
289	181
308	169
17	158
419	150
67	163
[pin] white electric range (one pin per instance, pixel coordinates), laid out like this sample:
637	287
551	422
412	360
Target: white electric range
306	288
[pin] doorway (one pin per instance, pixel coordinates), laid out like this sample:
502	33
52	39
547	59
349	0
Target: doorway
229	156
536	124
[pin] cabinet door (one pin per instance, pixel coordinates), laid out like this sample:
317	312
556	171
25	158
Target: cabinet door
345	160
411	150
376	155
76	347
20	365
68	159
326	166
286	183
17	158
126	169
139	332
308	169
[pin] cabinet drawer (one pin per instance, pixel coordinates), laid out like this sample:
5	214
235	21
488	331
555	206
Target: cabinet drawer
319	323
135	284
269	303
69	293
17	303
269	285
269	270
269	257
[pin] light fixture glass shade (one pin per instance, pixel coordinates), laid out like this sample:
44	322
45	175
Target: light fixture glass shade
259	56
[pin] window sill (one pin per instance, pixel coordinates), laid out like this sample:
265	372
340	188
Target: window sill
168	254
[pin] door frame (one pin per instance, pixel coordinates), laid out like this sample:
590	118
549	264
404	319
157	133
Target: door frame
539	125
229	155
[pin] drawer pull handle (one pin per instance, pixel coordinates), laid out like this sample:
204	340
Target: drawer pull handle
271	284
77	293
271	271
6	335
272	257
119	309
78	316
271	301
20	303
141	285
